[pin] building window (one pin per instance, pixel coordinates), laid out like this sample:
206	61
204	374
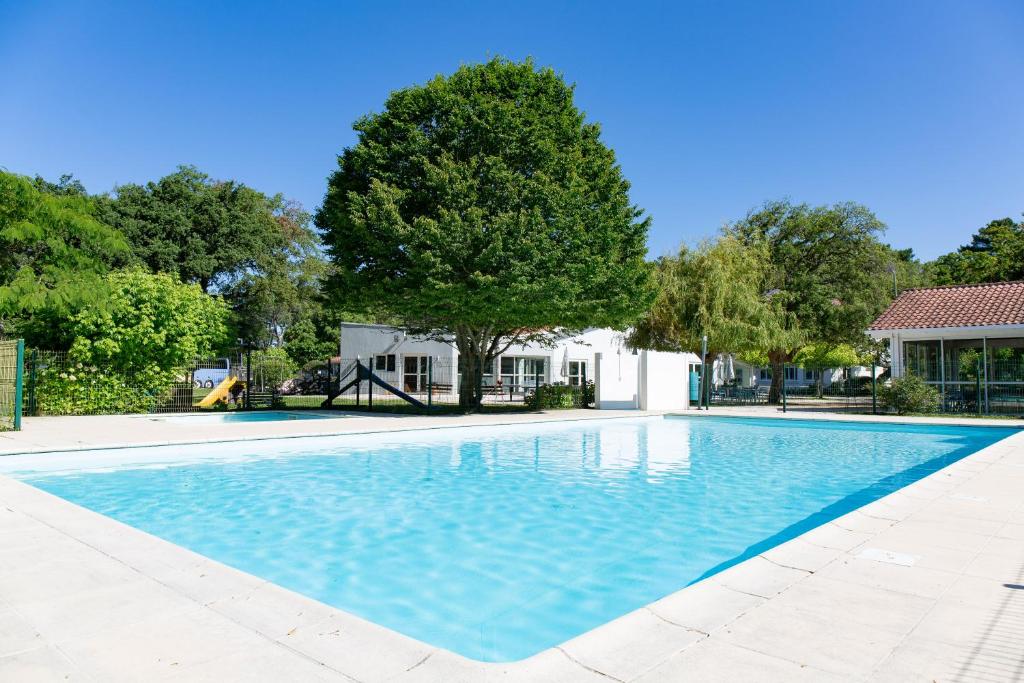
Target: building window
765	374
790	373
521	372
577	372
812	375
384	362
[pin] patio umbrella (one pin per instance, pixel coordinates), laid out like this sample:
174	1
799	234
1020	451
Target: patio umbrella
565	363
730	369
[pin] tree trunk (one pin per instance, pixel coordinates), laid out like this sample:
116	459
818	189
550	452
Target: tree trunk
473	347
778	360
468	379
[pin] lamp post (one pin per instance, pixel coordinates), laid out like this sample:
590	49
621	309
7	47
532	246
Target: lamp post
895	290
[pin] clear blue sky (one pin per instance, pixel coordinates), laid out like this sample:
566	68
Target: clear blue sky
915	109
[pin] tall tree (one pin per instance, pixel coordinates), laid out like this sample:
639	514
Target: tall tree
287	289
483	208
204	231
717	291
53	252
258	251
995	254
828	273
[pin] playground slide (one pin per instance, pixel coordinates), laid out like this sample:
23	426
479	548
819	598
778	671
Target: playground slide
218	392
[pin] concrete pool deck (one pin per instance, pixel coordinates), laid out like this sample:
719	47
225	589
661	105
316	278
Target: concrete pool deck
925	584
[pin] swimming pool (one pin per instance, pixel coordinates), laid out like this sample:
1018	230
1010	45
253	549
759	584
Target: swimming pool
498	542
243	416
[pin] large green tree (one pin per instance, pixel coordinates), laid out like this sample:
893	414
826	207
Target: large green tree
995	254
53	251
828	272
484	209
286	289
205	231
715	291
259	251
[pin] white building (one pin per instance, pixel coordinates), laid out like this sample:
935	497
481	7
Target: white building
409	362
959	337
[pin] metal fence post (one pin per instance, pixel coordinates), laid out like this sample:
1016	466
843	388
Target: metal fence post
430	382
369	386
247	402
19	376
874	391
977	375
33	362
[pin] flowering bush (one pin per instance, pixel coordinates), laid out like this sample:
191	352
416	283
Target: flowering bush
79	389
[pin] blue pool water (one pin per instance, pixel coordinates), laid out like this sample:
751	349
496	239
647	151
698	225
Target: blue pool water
246	416
498	542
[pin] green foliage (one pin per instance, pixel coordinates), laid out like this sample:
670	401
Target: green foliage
909	394
560	397
86	390
481	208
304	344
718	291
828	356
827	267
53	252
152	326
271	368
202	230
969	364
258	251
827	271
286	288
995	254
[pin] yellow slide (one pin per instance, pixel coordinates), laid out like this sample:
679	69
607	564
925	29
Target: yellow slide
218	392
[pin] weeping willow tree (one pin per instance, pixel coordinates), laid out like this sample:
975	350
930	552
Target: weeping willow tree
717	290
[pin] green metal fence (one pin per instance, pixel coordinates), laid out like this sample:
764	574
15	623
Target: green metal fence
995	388
805	387
58	384
11	364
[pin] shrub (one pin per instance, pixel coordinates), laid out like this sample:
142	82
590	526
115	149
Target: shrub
80	389
910	394
560	396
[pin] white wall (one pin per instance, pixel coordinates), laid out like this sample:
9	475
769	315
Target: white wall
664	381
647	380
616	381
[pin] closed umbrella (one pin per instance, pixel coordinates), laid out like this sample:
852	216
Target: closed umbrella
730	369
565	363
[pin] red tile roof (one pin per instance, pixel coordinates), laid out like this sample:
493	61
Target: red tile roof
997	303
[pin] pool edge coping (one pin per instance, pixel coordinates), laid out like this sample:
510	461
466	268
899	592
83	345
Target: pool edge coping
761	578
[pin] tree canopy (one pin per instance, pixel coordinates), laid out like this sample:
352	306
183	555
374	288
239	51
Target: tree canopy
53	251
995	254
717	290
151	325
828	272
204	231
483	208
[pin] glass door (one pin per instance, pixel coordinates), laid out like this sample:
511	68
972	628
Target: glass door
414	374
